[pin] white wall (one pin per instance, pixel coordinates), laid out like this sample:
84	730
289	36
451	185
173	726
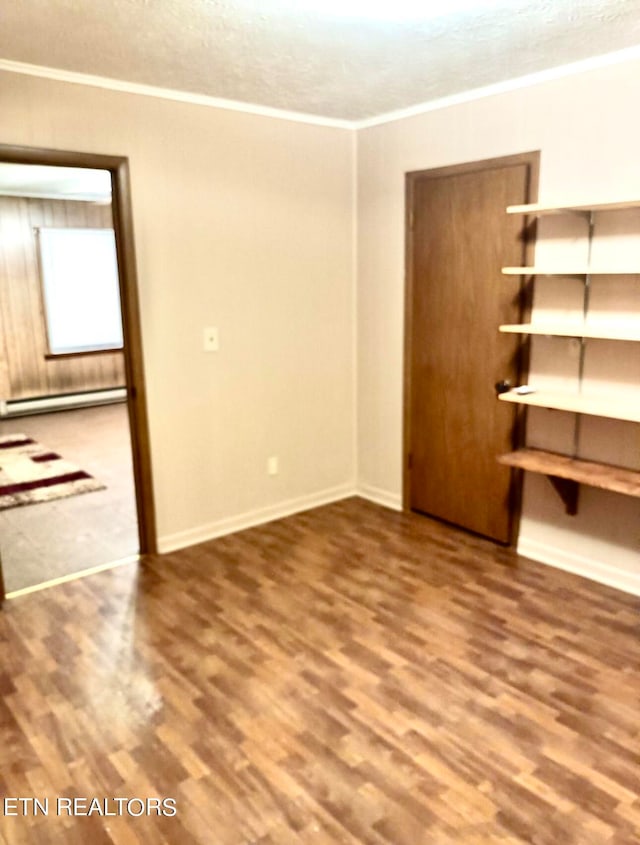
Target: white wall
243	222
586	127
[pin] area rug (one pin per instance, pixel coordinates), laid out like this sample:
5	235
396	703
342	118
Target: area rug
30	474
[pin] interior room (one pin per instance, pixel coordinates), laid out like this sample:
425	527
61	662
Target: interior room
62	382
382	273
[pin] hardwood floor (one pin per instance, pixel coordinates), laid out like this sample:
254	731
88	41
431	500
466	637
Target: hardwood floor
346	675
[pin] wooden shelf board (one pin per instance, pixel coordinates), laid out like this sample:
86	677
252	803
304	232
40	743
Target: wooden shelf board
542	209
557	330
578	403
603	476
571	271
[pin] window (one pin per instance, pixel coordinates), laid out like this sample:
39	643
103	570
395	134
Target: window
80	290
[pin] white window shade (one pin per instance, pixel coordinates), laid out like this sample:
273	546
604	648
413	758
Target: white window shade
80	287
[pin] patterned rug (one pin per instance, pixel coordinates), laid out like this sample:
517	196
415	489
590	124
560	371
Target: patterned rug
29	474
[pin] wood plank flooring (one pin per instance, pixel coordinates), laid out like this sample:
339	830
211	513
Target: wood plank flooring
346	675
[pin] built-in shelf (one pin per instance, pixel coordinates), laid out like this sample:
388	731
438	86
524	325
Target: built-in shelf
566	473
571	271
540	209
558	330
578	403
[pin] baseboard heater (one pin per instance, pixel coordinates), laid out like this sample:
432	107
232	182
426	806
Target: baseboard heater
61	402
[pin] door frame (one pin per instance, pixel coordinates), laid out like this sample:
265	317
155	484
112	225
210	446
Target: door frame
532	159
121	207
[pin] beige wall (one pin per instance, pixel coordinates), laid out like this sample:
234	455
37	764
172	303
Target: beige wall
586	127
243	222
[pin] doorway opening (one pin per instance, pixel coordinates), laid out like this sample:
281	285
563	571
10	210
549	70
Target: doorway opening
75	473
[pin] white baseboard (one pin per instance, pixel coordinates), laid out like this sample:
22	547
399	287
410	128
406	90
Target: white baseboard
74	576
595	570
229	525
380	497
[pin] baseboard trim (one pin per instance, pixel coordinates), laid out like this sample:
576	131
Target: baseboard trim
74	576
380	497
211	530
594	570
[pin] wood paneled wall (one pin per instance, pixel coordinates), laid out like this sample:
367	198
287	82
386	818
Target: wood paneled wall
24	369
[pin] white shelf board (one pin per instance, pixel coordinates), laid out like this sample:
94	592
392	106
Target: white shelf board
538	208
571	271
598	406
568	330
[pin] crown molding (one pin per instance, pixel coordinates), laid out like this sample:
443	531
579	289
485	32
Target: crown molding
530	80
110	84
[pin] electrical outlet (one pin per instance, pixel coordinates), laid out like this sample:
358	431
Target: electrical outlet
210	342
272	465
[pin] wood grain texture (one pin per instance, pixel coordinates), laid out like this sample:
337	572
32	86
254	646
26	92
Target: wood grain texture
603	476
28	370
133	361
347	675
459	237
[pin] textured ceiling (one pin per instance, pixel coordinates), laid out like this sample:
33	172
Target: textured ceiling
300	56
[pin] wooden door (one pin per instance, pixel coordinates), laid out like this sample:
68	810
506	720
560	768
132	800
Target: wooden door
460	237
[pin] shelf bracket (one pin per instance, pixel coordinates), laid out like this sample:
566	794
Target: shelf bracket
568	490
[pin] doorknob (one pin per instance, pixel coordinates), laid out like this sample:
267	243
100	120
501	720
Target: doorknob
502	386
